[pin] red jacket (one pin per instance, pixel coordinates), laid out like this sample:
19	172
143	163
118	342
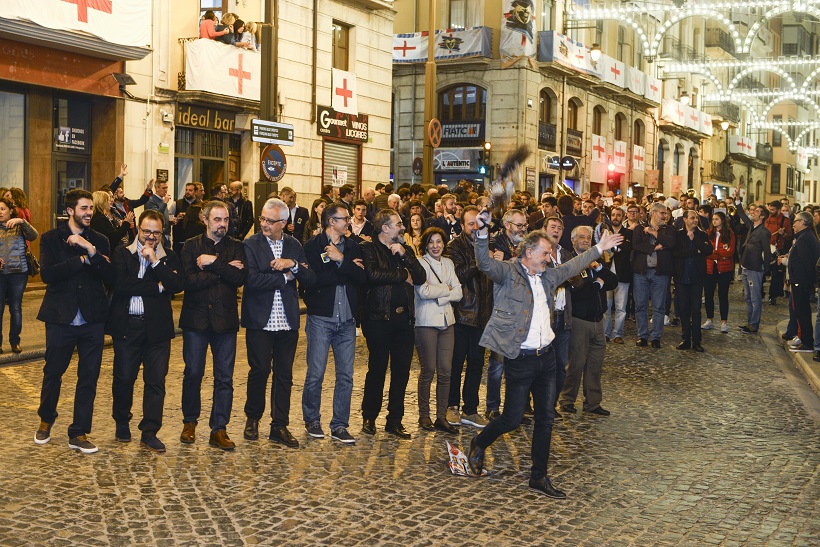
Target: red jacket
724	255
773	224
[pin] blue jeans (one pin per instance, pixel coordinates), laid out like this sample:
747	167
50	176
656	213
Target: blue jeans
646	287
194	348
12	287
525	375
321	336
617	297
495	370
752	283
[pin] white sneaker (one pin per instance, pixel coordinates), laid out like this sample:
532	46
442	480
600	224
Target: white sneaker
708	325
666	321
724	328
795	342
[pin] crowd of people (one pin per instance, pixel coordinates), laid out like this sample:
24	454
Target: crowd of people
544	286
230	30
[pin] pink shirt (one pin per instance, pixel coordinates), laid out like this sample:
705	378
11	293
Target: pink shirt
206	29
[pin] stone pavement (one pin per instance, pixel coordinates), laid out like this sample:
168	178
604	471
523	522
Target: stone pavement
715	448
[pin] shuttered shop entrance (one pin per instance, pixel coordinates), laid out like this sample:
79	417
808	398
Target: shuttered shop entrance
341	164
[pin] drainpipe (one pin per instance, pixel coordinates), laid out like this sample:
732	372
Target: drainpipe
313	66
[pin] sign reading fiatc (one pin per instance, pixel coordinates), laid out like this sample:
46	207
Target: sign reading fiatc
338	125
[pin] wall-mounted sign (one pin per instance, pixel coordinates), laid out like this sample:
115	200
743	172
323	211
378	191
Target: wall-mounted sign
339	175
162	175
458	132
457	159
339	125
418	166
575	144
554	162
71	138
530	173
205	118
271	132
273	163
568	163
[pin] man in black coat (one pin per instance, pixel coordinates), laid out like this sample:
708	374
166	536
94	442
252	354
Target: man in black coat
297	216
621	265
270	315
360	228
692	247
178	210
74	266
243	207
755	260
141	324
387	320
803	255
214	266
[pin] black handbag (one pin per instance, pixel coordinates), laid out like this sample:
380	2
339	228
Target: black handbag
32	263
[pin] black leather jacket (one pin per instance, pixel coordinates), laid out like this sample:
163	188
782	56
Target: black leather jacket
387	272
476	305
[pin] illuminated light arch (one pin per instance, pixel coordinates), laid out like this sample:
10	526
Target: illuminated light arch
697	11
809	79
704	71
796	7
750	69
791	97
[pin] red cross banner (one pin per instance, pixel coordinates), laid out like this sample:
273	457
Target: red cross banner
638	158
122	22
613	71
518	32
802	156
619	156
598	148
653	89
410	48
635	80
219	68
672	111
705	123
742	145
343	92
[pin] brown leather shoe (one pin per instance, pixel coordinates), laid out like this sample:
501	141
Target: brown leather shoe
219	439
188	433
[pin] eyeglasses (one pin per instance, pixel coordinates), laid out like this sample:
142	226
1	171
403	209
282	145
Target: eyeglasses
271	221
345	219
150	233
798	220
518	225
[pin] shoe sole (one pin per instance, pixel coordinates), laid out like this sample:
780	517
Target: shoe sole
344	441
801	350
41	441
250	438
315	435
152	449
548	495
472	423
225	448
83	450
123	439
283	443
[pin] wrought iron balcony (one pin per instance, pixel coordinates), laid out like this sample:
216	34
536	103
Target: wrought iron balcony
716	37
546	136
718	170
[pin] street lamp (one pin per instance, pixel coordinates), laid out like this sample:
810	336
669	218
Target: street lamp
684	98
724	125
595	52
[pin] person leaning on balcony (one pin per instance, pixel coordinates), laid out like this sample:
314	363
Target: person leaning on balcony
207	29
227	24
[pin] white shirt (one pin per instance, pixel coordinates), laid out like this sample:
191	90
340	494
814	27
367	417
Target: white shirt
541	333
560	292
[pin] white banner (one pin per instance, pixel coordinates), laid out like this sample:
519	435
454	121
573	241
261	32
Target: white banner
672	111
219	68
705	123
619	156
638	158
802	159
554	47
124	22
635	80
450	44
613	71
742	145
410	48
343	92
598	148
653	89
517	31
692	118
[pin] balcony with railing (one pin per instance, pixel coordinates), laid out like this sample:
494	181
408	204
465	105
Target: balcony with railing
209	66
717	37
546	136
718	170
764	152
674	49
725	110
575	142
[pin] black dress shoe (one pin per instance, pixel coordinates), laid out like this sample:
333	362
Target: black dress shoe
570	408
398	430
656	344
15	348
544	485
816	356
698	348
251	432
369	426
600	411
426	424
641	343
443	425
280	434
684	345
556	414
675	322
475	457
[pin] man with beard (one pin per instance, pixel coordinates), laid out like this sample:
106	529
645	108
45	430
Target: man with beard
802	257
243	208
74	266
448	221
471	314
692	247
178	209
214	265
621	266
159	202
502	247
141	324
387	320
586	342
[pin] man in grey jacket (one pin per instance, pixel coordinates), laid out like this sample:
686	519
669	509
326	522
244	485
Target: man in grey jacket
520	330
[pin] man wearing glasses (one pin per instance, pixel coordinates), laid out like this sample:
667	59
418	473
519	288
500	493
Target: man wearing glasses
141	324
270	315
801	261
332	312
387	322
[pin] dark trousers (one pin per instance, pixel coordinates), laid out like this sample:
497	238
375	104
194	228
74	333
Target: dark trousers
194	349
465	346
801	300
525	375
561	345
721	281
687	298
129	353
270	350
60	343
776	284
387	342
12	287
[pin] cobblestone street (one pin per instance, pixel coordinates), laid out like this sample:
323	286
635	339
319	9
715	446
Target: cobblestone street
714	448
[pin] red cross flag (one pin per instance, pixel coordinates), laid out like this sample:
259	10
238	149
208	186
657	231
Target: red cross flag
223	69
598	148
343	92
638	158
122	22
619	156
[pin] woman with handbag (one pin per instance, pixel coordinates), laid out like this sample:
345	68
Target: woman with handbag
720	267
14	269
434	328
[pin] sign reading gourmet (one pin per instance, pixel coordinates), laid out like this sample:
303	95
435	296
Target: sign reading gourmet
341	126
460	131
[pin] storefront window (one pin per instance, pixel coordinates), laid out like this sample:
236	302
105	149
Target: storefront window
12	139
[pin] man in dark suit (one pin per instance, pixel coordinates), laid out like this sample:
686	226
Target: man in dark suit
178	210
74	266
692	247
621	265
214	265
243	208
571	219
270	315
297	216
141	324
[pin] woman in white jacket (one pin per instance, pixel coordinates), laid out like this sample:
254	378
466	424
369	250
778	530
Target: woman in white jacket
434	328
